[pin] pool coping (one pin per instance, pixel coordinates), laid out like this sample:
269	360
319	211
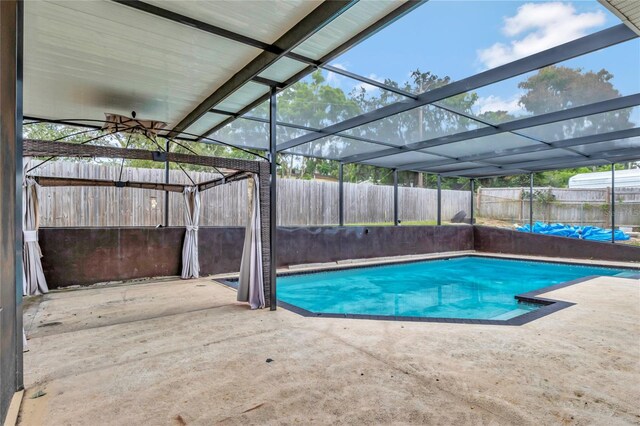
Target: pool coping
548	306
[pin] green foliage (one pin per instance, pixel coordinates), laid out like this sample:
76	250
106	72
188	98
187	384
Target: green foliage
540	196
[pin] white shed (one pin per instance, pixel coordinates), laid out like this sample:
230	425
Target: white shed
624	179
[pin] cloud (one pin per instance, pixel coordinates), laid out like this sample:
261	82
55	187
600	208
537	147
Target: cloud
333	78
496	103
368	87
540	26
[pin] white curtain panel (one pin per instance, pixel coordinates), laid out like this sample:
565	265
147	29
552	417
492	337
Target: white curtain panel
34	281
190	263
251	282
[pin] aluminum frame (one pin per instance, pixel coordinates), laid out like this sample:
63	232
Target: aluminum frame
11	105
397	13
510	126
326	12
579	141
605	38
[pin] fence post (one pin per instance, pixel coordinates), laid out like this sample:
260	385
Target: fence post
439	221
395	197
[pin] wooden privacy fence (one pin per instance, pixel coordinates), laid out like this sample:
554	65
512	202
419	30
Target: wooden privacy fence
563	205
300	202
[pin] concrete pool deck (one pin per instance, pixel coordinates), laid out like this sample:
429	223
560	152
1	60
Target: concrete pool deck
184	352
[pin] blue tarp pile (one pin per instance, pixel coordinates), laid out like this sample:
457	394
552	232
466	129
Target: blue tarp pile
592	233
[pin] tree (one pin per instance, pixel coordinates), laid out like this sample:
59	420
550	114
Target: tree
556	88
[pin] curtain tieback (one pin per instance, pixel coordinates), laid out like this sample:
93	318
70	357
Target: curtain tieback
30	236
192	228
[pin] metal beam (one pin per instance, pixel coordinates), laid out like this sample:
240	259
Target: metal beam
267	82
167	178
397	13
523	123
439	214
200	25
326	12
489	174
341	195
273	200
572	49
248	41
396	222
369	81
11	44
579	141
301	127
40	148
475	172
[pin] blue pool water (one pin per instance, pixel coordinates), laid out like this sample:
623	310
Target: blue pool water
463	287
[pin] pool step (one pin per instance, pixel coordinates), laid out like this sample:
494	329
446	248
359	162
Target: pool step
511	314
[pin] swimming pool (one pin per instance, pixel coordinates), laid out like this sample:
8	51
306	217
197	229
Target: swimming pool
470	287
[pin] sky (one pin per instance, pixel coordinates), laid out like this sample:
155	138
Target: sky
461	38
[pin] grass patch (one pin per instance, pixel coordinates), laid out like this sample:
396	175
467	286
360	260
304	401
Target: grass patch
407	223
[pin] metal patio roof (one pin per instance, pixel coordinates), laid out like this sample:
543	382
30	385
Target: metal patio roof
200	66
172	61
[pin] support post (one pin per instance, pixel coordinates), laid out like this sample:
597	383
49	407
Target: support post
166	180
439	219
395	198
273	199
341	195
11	39
613	202
472	189
530	202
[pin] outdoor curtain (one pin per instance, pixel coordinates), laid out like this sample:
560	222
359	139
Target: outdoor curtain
190	264
251	282
34	281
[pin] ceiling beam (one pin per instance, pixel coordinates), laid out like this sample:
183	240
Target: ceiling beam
326	12
369	81
200	25
248	41
583	140
563	52
397	13
523	123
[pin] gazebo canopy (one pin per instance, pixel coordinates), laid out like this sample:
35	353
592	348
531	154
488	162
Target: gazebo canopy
207	68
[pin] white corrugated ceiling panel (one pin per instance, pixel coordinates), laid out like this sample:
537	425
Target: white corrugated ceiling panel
283	69
627	10
345	26
242	97
203	124
85	58
397	160
265	21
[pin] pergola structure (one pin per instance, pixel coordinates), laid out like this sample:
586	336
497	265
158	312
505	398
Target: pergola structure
200	66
